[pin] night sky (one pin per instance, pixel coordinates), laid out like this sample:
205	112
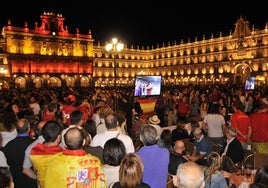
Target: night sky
141	22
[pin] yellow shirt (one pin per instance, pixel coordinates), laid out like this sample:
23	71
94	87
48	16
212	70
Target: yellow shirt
73	169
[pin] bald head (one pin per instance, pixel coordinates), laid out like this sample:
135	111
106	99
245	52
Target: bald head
179	146
74	138
189	175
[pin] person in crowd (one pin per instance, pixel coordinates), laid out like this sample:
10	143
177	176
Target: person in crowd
233	148
113	152
27	164
34	105
228	168
160	109
261	178
241	122
214	124
67	108
259	137
10	119
213	176
6	179
42	153
176	157
136	111
155	168
165	140
49	112
76	120
130	173
202	147
112	132
74	167
155	121
24	107
90	127
189	175
172	108
191	127
3	159
15	151
183	108
179	132
104	110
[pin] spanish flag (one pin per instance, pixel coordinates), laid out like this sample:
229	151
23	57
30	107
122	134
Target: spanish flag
147	105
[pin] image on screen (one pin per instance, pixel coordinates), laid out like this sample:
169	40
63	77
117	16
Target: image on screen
147	86
250	83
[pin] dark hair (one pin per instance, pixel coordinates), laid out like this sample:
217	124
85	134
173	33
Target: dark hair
113	151
214	109
51	130
76	116
261	177
90	127
5	177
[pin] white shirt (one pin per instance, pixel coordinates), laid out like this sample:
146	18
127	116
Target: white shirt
101	138
3	160
7	136
227	145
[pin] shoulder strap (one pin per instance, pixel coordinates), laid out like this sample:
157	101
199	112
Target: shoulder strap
117	135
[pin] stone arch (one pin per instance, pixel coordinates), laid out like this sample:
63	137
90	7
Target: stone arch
20	82
54	82
241	72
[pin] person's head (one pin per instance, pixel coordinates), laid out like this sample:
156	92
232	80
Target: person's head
113	151
238	106
189	175
74	138
6	180
111	121
180	124
52	107
90	127
230	132
213	163
51	132
23	126
166	136
197	132
179	146
148	135
76	117
214	109
261	177
131	170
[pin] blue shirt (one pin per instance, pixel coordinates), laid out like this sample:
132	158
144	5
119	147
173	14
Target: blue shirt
155	161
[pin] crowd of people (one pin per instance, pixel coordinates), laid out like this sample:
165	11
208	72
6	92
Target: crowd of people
66	137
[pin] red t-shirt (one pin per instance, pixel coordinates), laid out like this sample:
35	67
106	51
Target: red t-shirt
259	125
241	121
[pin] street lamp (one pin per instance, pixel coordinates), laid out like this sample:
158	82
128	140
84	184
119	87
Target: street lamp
114	46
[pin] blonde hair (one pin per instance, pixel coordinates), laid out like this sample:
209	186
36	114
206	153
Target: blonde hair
130	171
213	163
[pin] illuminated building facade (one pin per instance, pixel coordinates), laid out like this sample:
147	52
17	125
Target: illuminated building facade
50	56
47	56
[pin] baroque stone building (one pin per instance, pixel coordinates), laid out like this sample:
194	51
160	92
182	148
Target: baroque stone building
48	56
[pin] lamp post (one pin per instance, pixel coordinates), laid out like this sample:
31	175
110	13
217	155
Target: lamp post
114	46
